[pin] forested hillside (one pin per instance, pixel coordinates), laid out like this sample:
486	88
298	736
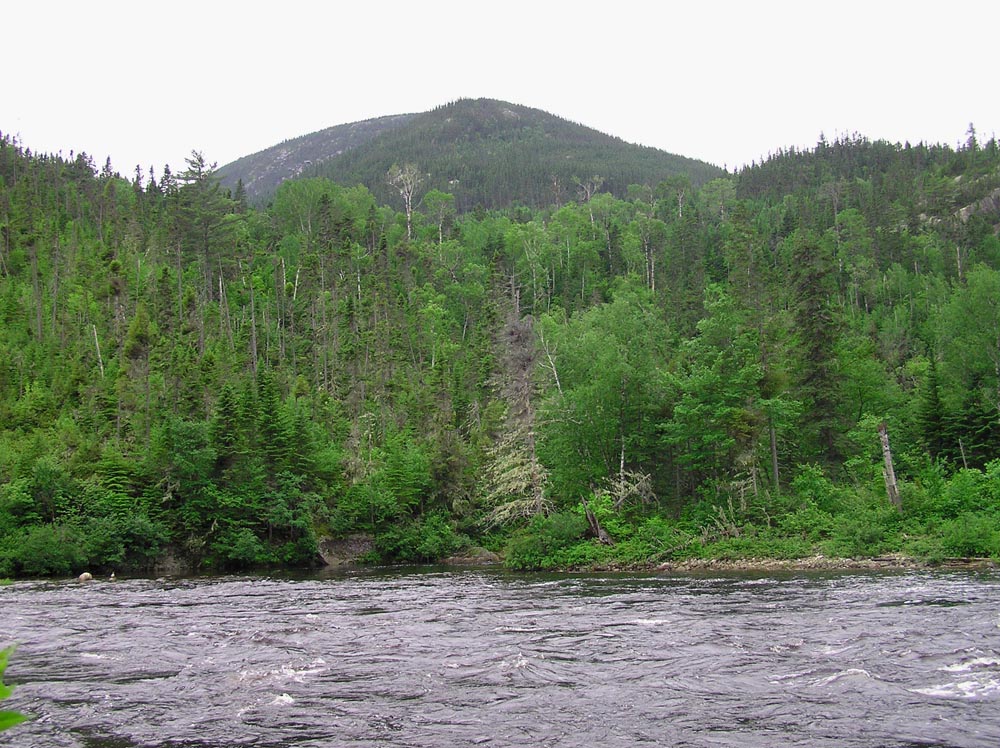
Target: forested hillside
485	153
681	371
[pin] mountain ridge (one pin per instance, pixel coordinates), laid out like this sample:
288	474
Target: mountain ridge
488	153
269	167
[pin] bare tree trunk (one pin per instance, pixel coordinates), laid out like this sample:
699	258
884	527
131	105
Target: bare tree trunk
253	330
595	527
890	474
36	291
97	344
406	180
774	453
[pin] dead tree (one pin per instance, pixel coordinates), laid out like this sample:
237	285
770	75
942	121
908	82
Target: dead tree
888	471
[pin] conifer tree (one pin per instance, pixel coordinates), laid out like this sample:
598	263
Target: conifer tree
818	327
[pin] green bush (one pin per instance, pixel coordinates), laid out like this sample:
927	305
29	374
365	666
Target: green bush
43	550
143	538
302	551
538	545
963	493
613	521
919	496
362	508
17	505
239	547
761	544
807	522
971	536
583	554
926	547
991	487
656	539
430	538
864	531
812	485
7	718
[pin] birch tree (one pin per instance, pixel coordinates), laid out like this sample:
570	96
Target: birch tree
406	180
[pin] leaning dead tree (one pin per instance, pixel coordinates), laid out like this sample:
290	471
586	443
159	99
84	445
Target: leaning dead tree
891	487
596	530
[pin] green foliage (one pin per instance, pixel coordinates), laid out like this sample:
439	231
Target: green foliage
813	486
43	550
705	358
7	718
757	545
962	494
971	535
864	531
606	360
807	522
488	153
545	541
654	539
430	538
239	548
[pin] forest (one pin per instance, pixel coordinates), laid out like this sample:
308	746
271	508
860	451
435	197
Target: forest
686	371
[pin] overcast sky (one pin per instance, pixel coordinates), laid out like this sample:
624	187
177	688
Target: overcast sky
727	82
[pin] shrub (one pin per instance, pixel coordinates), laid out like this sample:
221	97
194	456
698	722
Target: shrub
7	718
864	531
750	546
808	522
991	487
537	546
963	493
43	550
656	539
239	548
612	520
428	539
971	535
812	485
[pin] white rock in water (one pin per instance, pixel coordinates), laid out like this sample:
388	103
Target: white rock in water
85	577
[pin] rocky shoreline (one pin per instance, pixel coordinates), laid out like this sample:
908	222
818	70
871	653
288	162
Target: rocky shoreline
824	563
352	550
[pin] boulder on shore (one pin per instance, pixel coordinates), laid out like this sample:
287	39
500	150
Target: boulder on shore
343	551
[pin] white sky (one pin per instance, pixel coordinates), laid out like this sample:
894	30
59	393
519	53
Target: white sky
727	82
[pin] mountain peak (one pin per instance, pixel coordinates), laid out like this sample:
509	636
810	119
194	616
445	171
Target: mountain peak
486	152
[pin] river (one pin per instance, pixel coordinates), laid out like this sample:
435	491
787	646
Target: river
488	658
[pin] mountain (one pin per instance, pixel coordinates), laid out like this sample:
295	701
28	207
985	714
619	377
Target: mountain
263	171
485	152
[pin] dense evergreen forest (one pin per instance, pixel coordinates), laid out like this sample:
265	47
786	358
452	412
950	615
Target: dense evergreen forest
687	371
483	152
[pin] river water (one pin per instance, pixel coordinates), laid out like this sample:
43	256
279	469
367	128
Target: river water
488	658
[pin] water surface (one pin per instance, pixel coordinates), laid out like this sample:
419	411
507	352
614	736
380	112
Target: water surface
487	658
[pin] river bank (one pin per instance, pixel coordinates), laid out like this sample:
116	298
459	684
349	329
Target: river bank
355	549
889	562
822	563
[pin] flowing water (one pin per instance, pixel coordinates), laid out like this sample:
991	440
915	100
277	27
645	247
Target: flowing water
487	658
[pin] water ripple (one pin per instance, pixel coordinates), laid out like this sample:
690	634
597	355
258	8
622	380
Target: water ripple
488	658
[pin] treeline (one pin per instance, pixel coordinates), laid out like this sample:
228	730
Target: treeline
682	371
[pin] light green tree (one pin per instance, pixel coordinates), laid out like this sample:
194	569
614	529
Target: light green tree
7	718
599	420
